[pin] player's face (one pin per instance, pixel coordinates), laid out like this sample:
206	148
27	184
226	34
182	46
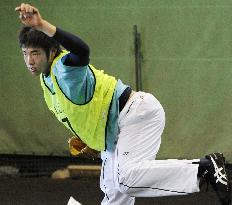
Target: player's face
36	60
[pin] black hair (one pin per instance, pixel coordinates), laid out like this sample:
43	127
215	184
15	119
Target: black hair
30	37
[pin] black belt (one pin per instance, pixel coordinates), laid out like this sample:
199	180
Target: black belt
124	97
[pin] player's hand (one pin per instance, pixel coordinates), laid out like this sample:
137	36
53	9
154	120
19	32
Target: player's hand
78	148
29	15
75	145
90	153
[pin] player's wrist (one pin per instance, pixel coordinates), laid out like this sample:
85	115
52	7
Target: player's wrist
46	28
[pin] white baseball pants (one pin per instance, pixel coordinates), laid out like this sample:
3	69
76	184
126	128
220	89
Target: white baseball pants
131	170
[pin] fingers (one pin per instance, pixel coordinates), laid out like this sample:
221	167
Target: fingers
26	10
18	8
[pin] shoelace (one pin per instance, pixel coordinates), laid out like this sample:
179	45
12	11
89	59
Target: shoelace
218	174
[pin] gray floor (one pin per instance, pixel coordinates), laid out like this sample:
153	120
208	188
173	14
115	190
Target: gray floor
46	191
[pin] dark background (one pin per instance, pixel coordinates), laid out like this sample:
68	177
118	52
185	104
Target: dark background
46	191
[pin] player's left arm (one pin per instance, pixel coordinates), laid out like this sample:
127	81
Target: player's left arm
79	148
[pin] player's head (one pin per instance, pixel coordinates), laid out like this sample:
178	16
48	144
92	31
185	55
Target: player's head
38	50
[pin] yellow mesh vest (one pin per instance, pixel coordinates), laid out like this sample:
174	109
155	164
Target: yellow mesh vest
87	121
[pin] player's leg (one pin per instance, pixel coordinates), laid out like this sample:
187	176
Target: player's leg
107	183
141	124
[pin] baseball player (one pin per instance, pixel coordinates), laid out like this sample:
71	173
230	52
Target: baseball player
107	116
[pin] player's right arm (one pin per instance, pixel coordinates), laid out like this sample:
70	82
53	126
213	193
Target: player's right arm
79	50
30	16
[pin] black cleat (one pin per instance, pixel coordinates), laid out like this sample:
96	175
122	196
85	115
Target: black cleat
216	175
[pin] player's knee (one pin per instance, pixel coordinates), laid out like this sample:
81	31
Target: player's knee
125	180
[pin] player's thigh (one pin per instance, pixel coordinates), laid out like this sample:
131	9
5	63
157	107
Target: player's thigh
141	129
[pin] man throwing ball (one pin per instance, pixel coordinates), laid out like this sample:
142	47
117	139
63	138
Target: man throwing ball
107	116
